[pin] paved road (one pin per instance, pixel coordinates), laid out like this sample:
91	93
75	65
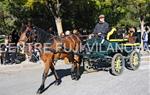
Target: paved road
26	81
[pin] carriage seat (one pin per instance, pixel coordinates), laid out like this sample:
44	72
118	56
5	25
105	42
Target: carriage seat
113	36
111	33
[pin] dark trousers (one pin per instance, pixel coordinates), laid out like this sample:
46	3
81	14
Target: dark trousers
10	57
7	58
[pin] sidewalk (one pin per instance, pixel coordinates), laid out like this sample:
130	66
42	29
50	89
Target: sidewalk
145	57
26	65
18	67
145	53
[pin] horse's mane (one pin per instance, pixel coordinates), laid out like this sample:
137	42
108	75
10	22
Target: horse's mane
42	35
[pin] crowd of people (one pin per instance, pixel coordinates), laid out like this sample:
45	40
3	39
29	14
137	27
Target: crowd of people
8	55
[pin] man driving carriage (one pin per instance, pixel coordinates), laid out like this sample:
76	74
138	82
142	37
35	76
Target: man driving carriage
102	27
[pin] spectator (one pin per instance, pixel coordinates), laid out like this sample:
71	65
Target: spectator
7	58
51	31
12	53
35	57
145	39
2	53
9	51
15	37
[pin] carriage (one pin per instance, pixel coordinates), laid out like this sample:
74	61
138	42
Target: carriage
95	53
110	55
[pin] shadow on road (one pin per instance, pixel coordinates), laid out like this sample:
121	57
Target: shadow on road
61	73
47	87
65	72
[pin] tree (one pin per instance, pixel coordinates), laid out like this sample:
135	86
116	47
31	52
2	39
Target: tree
54	6
72	13
123	12
7	20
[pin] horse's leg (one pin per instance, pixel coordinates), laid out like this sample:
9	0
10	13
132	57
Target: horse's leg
77	62
75	71
78	71
71	59
44	76
73	74
58	80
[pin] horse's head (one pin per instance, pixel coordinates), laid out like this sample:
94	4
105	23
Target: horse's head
28	35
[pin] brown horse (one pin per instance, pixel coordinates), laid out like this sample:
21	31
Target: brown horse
66	47
61	48
29	34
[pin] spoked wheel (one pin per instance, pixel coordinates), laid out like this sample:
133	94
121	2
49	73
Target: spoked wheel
87	66
134	61
117	64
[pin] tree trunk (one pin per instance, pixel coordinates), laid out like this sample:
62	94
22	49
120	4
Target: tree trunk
58	22
142	31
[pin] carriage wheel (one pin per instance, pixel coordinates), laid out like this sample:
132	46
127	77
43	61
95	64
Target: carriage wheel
117	64
87	66
134	61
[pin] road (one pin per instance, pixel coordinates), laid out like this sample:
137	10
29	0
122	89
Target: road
26	81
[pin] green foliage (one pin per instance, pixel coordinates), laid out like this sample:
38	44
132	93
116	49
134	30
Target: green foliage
7	20
74	13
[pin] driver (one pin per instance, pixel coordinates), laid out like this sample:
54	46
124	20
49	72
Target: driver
101	27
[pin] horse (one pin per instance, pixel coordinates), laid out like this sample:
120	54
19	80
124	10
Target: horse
60	48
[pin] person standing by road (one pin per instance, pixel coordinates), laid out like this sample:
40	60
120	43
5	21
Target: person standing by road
145	39
15	37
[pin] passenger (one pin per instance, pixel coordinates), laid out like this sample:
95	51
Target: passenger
75	31
67	33
62	34
132	35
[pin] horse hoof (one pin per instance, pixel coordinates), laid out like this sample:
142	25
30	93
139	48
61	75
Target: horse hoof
38	93
57	82
73	77
40	90
77	78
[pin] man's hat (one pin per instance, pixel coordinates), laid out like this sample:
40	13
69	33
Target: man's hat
101	16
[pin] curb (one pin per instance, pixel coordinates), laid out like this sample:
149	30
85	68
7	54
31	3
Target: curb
26	65
19	67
